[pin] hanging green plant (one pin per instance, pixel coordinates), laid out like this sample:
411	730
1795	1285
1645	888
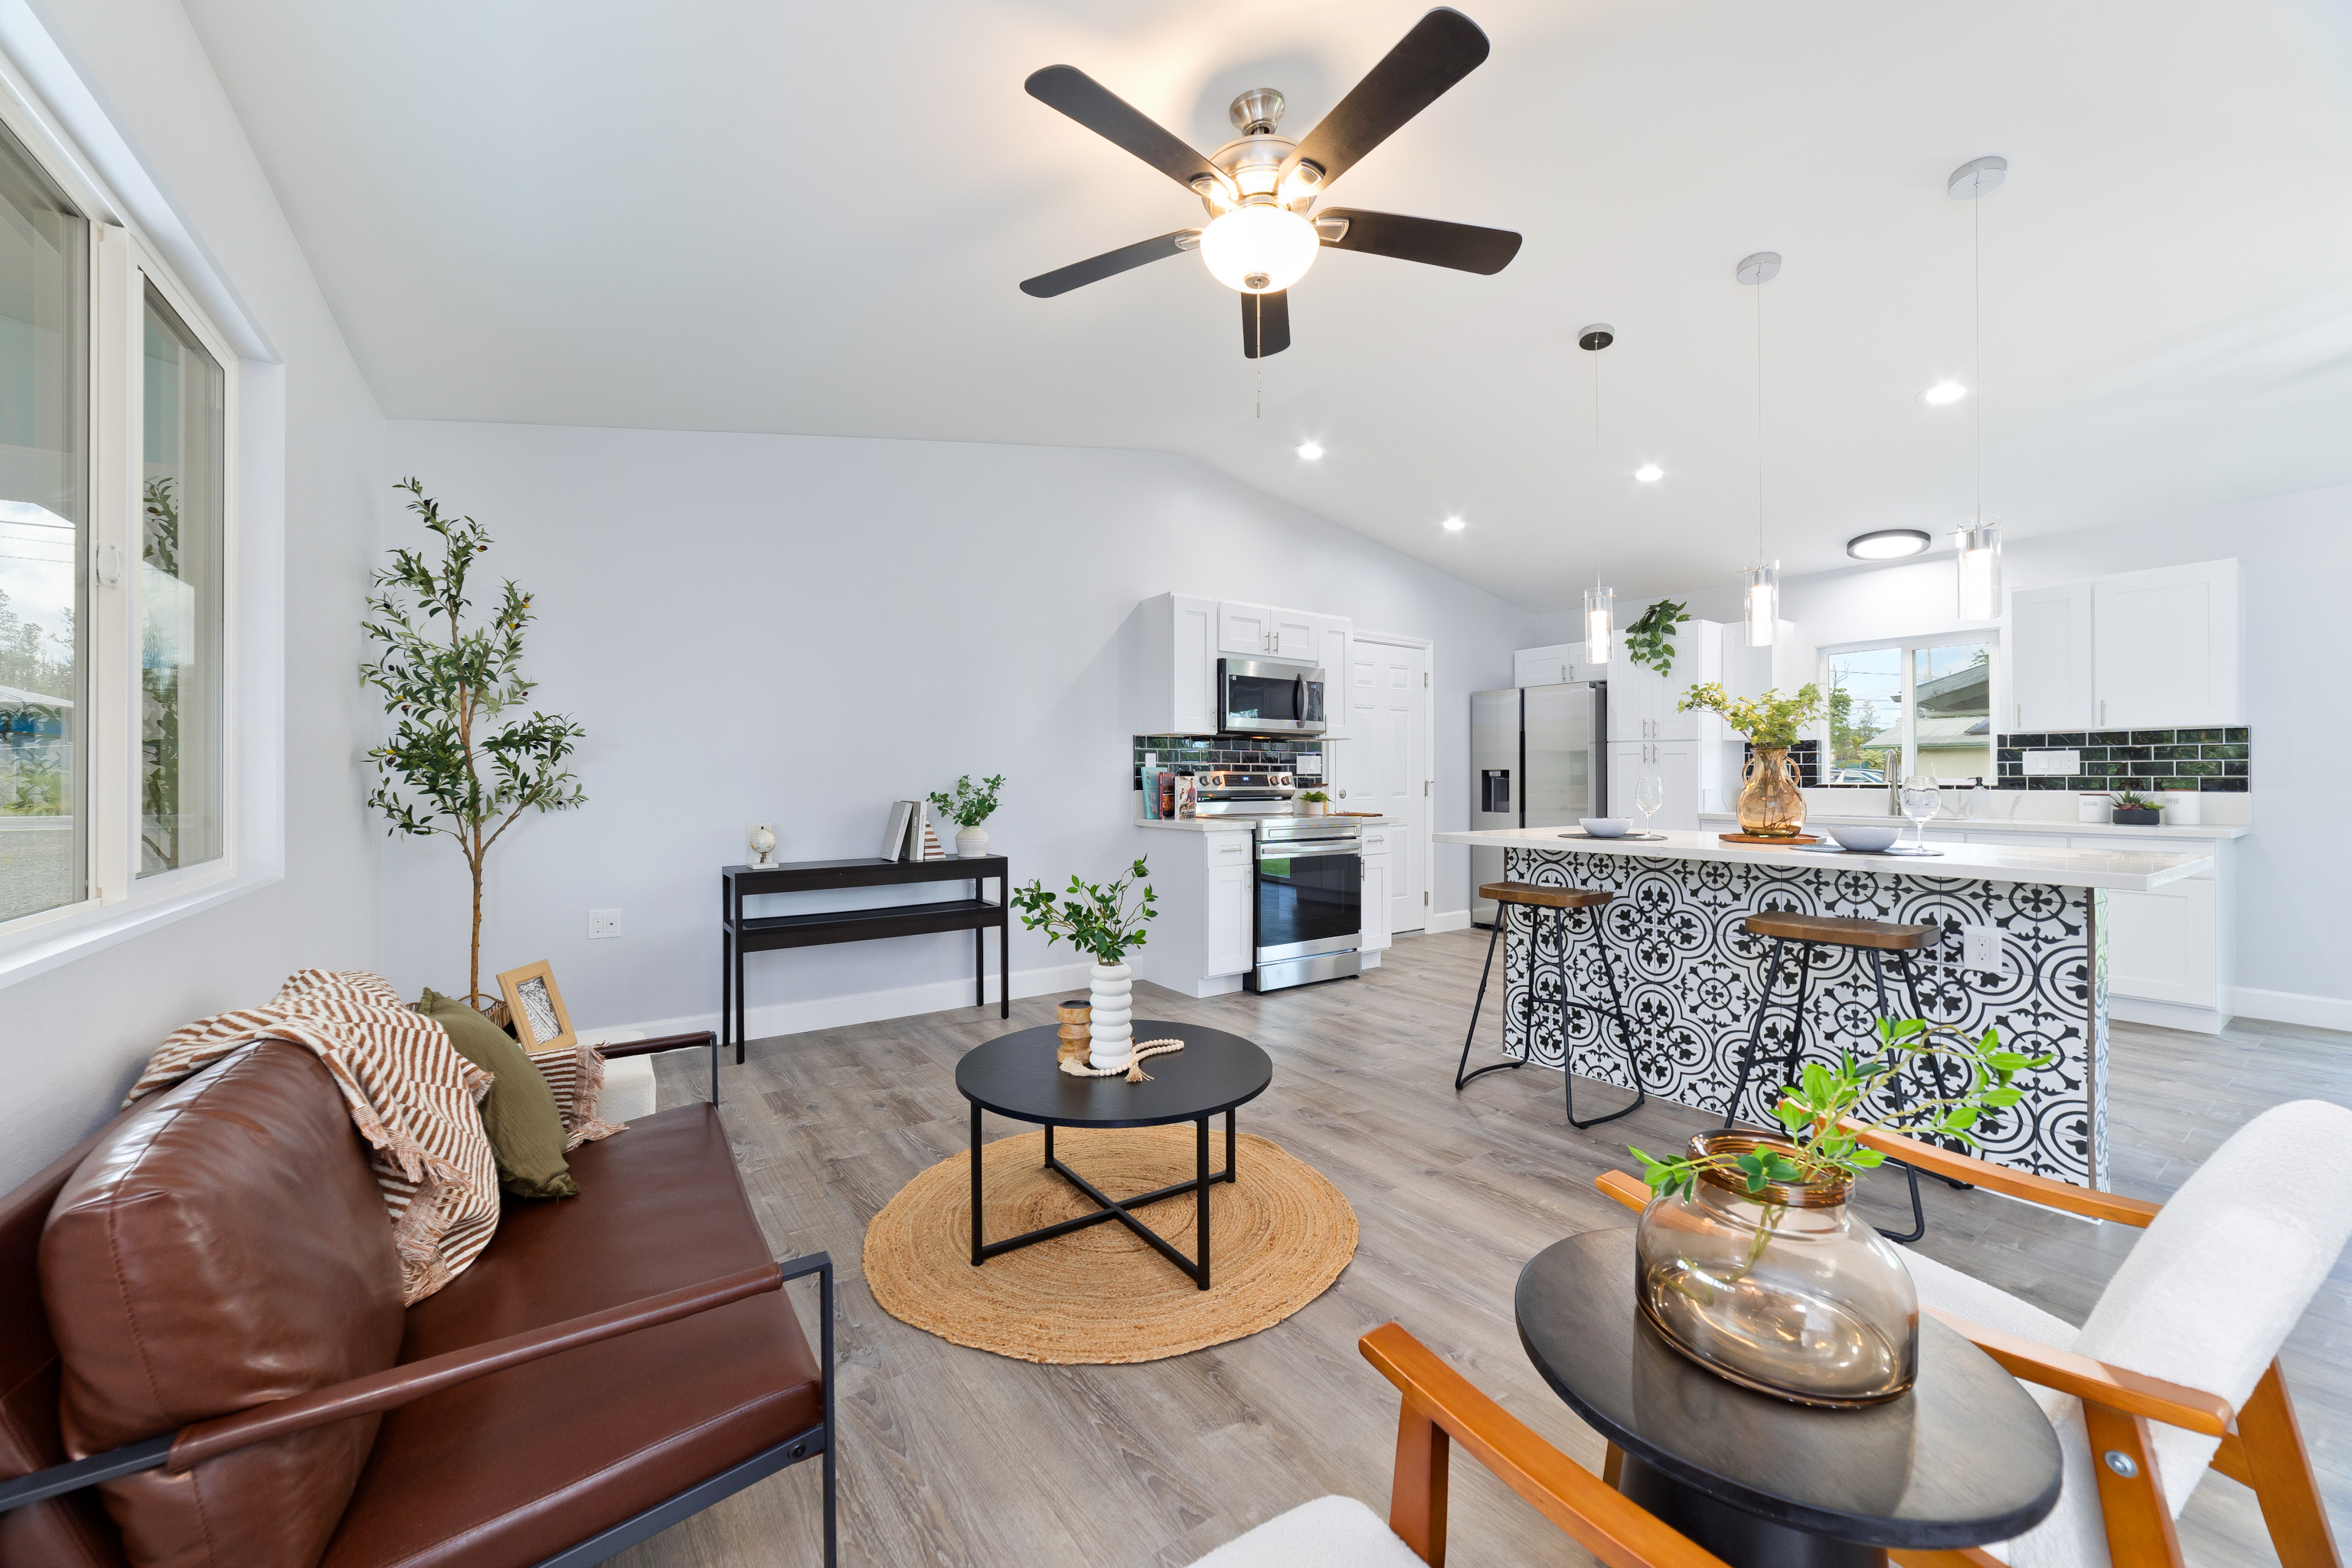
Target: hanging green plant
1645	639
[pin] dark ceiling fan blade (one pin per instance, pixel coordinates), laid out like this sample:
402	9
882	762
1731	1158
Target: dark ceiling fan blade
1268	313
1464	246
1112	118
1441	49
1110	263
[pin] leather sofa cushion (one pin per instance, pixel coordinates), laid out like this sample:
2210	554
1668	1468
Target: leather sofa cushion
509	1470
225	1246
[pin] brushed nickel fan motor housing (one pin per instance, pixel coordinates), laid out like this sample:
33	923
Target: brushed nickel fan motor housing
1256	112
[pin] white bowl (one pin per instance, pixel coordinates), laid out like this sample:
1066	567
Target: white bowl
1606	826
1867	837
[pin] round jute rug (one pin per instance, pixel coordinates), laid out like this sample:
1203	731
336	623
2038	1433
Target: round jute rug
1278	1235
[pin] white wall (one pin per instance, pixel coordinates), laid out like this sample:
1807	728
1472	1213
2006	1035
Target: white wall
801	629
2294	556
72	1039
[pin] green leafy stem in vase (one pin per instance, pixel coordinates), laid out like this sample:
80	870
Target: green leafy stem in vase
969	808
1645	639
1095	920
1769	721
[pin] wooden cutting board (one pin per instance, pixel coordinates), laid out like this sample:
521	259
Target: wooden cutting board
1752	838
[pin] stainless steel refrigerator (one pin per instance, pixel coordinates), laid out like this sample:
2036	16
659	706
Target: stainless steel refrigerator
1538	758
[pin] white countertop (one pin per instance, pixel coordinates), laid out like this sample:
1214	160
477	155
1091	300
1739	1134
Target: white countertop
1947	823
1244	823
2126	870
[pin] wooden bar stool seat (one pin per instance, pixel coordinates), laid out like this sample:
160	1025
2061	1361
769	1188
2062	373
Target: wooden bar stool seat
1840	931
1535	898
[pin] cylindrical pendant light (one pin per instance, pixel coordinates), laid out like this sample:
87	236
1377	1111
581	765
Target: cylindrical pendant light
1600	603
1980	550
1761	583
1978	540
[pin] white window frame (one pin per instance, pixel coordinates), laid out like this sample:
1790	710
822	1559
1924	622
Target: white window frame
118	902
1989	635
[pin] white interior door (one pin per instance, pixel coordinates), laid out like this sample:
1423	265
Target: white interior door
1387	756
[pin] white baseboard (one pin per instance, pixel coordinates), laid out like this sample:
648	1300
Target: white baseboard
2295	1008
1448	920
873	1006
2165	1014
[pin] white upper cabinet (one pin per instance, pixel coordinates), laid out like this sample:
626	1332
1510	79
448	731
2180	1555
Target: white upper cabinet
1643	704
1333	649
2049	682
1244	629
1546	665
1184	636
2164	647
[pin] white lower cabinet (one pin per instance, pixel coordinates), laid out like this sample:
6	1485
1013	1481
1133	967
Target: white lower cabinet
1377	887
1204	937
1232	879
2171	949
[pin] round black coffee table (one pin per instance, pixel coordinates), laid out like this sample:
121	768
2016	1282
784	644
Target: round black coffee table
1018	1075
1964	1458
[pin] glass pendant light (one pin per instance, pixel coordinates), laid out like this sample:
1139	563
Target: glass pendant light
1761	583
1978	540
1600	603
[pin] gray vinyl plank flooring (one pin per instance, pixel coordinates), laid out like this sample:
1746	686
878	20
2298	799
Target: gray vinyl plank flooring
954	1457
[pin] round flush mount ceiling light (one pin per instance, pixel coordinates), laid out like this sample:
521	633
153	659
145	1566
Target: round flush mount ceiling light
1887	544
1649	473
1259	248
1310	450
1944	392
1455	525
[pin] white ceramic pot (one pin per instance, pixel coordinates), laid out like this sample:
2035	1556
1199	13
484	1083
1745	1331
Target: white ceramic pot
1110	993
971	842
1311	807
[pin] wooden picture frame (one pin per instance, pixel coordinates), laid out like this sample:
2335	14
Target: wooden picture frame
533	1005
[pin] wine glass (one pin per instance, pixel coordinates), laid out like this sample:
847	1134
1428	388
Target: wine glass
1921	800
1649	794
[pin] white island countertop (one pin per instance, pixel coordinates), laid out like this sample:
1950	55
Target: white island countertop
1248	824
2124	870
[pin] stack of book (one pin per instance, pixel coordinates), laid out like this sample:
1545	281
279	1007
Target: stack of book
909	836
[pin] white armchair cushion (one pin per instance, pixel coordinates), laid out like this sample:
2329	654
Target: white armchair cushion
1330	1533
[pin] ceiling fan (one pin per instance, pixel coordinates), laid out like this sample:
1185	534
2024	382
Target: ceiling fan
1262	232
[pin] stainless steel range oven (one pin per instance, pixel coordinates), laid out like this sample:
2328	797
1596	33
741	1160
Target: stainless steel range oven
1269	697
1309	901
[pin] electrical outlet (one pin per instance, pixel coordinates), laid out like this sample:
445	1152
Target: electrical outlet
604	924
1981	950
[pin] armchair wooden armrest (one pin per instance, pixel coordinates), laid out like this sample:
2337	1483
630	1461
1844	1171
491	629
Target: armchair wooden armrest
650	1048
2095	1381
1441	1404
2085	1201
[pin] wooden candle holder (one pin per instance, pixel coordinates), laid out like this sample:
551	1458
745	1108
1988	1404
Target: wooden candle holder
1075	1032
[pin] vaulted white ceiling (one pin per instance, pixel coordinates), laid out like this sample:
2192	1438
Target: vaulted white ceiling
777	216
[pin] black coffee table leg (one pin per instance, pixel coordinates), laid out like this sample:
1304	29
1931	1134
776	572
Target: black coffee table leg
979	1247
1229	1145
1201	1195
1734	1534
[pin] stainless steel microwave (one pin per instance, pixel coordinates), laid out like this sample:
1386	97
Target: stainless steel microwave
1269	697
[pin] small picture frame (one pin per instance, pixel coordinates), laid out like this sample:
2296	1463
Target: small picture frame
535	1008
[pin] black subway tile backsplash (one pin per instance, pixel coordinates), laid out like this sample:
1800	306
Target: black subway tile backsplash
2148	760
1210	753
1806	754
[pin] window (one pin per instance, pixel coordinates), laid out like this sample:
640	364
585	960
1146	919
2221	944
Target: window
1924	705
179	597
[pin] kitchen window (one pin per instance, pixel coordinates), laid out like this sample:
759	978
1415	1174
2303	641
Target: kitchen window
1921	705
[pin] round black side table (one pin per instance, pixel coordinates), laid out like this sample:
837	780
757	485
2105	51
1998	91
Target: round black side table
1018	1075
1964	1458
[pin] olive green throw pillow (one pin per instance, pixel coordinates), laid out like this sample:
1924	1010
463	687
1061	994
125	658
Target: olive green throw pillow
526	1130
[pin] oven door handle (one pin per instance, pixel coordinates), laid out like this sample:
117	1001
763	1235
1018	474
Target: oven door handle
1303	851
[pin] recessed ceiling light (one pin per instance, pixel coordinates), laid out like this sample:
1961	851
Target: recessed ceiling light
1310	450
1455	525
1886	544
1944	392
1649	473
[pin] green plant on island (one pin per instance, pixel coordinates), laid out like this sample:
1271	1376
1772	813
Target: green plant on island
1769	721
969	808
455	763
1645	639
1095	920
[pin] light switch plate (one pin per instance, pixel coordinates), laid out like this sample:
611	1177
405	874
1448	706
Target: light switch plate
2051	765
1307	767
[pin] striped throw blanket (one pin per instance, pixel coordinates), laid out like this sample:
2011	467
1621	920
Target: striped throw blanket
411	1095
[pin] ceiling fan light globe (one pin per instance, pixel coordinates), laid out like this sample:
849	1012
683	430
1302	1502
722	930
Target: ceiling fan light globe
1258	249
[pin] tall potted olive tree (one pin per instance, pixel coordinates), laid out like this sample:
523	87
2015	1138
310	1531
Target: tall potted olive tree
462	760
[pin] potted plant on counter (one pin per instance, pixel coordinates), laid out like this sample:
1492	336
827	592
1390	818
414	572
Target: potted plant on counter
1748	1233
1098	922
968	809
1770	804
2134	809
1314	803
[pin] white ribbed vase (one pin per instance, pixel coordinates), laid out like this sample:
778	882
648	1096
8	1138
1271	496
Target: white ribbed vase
1110	992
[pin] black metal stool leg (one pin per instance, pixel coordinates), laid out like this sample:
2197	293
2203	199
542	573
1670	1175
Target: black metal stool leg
1910	1173
1794	1060
1617	1011
1461	1077
1755	1033
1911	984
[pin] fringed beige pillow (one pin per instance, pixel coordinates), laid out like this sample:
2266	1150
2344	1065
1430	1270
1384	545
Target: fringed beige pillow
576	1074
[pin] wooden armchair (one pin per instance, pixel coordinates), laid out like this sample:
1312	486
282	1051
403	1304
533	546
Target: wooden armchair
1441	1407
2177	1368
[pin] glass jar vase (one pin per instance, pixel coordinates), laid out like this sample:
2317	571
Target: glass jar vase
1785	1292
1770	805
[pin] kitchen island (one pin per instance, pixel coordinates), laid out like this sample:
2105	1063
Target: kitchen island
1692	975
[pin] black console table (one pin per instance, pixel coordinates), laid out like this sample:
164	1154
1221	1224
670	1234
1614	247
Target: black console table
765	933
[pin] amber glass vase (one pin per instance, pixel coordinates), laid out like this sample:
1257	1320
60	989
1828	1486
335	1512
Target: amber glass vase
1770	804
1783	1291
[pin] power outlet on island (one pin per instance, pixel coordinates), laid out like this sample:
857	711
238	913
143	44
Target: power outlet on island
1981	950
604	924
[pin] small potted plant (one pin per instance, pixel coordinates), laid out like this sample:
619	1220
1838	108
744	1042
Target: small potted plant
1748	1233
2133	809
1770	805
1098	922
1313	802
968	809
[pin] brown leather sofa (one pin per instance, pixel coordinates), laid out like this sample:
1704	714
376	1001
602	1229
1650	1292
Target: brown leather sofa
239	1385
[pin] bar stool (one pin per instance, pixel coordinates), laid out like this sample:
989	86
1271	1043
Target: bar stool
1877	938
1534	898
